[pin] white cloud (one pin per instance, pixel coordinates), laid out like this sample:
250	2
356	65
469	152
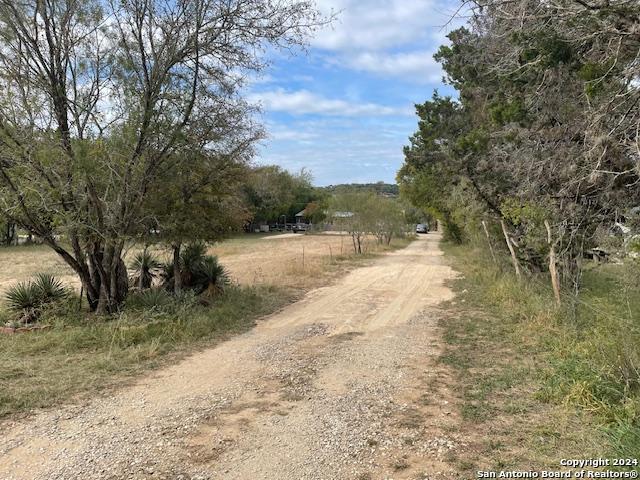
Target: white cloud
282	132
417	66
304	102
390	38
344	150
379	24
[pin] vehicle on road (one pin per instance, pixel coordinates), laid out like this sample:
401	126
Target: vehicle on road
301	227
422	228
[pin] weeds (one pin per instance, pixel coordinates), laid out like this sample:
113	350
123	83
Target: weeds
86	355
584	355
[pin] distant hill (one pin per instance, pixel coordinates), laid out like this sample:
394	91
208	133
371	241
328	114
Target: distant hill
381	188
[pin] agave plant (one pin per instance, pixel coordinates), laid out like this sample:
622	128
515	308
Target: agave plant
146	267
28	298
49	288
210	277
23	296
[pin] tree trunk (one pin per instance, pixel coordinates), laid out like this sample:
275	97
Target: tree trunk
9	234
114	282
555	284
177	274
142	273
486	232
514	259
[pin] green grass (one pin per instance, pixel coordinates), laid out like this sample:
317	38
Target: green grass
85	354
531	364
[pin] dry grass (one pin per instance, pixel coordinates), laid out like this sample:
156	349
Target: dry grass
303	261
18	264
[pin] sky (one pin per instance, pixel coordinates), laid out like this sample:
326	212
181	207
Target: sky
345	108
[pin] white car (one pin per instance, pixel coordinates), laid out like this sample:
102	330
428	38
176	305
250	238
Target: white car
422	228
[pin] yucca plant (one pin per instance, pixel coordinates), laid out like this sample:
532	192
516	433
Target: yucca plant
49	288
210	277
28	298
23	296
152	298
146	267
192	256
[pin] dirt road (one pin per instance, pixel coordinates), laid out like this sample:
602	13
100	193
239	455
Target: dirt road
341	385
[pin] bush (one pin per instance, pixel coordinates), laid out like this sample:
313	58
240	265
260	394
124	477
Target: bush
199	272
210	277
50	289
29	298
146	268
153	298
22	297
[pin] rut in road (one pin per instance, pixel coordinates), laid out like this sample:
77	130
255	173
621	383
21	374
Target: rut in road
325	389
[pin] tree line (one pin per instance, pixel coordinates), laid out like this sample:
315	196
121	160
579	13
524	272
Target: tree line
540	150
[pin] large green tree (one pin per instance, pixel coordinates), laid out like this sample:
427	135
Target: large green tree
542	136
98	100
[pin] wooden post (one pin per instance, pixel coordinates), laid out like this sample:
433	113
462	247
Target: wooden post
553	271
514	259
486	232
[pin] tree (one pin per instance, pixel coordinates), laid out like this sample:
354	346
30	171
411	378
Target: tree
364	213
273	192
99	98
389	219
8	233
202	201
541	137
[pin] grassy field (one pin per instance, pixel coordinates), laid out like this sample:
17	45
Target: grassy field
82	354
253	259
541	382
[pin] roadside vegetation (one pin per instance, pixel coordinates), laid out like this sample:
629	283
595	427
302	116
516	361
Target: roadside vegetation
80	354
560	379
533	170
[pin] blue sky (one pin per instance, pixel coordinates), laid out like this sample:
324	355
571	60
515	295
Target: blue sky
344	109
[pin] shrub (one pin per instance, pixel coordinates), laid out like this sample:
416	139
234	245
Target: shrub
198	271
210	277
153	298
22	297
49	288
146	267
28	298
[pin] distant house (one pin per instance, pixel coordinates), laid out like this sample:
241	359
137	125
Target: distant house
301	217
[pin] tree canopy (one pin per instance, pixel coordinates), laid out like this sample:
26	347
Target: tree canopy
105	102
545	128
